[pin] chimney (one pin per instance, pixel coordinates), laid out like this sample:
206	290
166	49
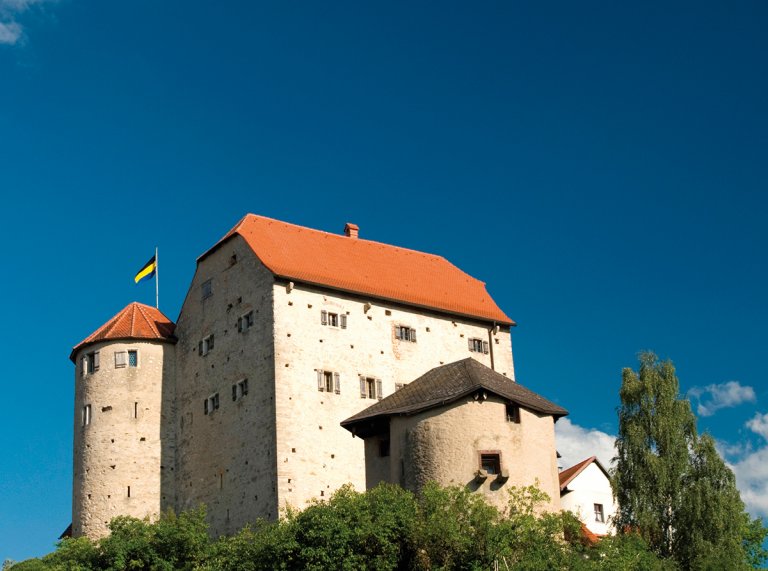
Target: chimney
351	230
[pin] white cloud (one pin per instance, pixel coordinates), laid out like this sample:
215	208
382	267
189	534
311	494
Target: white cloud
576	443
724	395
10	29
752	480
759	424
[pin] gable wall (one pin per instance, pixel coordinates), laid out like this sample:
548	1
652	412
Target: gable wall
591	487
226	459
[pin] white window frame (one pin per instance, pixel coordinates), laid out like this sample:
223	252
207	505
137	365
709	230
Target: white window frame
205	345
405	333
245	322
599	513
477	345
371	388
334	319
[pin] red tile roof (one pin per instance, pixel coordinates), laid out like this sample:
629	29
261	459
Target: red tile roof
364	266
136	321
567	476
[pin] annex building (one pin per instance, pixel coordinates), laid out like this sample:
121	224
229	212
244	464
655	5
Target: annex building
301	361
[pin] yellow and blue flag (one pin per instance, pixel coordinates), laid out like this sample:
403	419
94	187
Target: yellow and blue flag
147	271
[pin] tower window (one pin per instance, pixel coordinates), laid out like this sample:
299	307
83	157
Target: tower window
490	462
86	415
133	358
120	359
513	413
90	363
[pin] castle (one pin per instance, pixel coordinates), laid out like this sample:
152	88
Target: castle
290	343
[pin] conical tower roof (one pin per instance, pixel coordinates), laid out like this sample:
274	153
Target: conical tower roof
135	321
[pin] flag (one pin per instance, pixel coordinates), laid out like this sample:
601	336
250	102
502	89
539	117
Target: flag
147	271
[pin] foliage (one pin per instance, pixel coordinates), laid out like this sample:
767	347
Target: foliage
386	528
671	485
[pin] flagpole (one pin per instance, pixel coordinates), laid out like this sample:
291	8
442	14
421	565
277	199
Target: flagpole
157	281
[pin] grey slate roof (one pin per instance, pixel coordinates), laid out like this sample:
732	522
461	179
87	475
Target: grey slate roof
448	383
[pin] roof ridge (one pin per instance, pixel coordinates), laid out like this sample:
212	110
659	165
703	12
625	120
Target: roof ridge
341	237
150	322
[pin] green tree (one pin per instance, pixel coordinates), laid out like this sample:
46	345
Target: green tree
671	485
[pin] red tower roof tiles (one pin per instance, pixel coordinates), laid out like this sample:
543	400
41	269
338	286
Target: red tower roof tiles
349	263
135	321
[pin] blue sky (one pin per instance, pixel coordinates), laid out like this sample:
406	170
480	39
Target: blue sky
601	167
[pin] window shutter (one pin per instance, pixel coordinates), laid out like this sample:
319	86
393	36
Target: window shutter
240	324
234	392
379	391
320	380
324	317
84	369
413	335
363	391
210	342
96	361
343	321
119	359
205	406
471	345
485	347
336	384
200	348
216	401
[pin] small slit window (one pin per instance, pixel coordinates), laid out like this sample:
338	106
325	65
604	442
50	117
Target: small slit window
133	358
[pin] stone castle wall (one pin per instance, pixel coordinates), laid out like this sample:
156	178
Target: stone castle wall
226	458
315	454
123	451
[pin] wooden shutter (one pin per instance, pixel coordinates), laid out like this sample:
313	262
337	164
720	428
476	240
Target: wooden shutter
205	406
485	347
363	387
240	324
379	391
96	361
234	392
200	348
119	359
343	321
324	317
320	380
336	384
210	342
413	335
471	344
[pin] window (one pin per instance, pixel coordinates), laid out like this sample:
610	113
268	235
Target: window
90	363
513	413
120	359
206	345
211	404
405	333
245	322
478	345
239	389
328	381
599	515
370	388
490	462
206	289
133	358
384	447
86	415
333	319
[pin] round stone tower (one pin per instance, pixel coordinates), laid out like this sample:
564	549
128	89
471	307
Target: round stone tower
123	430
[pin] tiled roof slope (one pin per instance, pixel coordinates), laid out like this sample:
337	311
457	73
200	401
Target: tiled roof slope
567	476
135	321
448	383
363	266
